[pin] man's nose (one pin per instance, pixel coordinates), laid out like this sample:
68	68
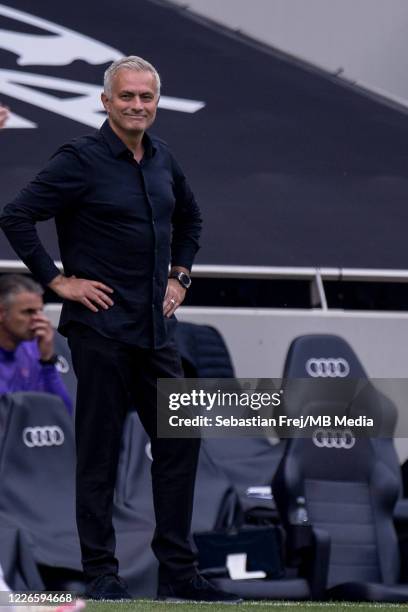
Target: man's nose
137	103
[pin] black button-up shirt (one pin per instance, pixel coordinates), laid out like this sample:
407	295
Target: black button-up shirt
118	221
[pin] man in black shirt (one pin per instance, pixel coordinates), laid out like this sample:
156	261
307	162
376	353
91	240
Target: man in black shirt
123	211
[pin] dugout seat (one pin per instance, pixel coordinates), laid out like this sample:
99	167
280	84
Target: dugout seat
203	351
322	374
16	559
365	399
350	492
305	355
37	468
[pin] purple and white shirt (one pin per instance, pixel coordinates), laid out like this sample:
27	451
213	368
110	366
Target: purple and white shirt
20	370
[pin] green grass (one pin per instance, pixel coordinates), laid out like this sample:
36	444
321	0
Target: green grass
152	606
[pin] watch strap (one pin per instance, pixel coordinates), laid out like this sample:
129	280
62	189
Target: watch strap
51	361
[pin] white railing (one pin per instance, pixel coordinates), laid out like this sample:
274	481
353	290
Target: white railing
317	276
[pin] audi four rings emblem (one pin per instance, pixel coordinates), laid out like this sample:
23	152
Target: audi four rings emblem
48	435
334	438
327	367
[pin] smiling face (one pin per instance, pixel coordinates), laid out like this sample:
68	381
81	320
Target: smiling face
132	103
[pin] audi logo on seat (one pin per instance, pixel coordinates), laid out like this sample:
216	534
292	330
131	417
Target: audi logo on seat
334	438
327	367
48	435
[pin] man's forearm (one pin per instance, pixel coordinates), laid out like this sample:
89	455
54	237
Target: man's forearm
23	237
187	223
53	190
56	282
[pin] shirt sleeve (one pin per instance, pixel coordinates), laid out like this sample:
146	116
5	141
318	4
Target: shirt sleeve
51	383
186	220
54	190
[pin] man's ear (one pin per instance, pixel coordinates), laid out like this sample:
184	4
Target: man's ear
2	313
105	101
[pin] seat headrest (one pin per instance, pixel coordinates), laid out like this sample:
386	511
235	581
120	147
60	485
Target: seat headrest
38	432
322	375
322	356
203	349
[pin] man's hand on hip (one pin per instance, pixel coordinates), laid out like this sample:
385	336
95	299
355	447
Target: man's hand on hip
90	293
175	295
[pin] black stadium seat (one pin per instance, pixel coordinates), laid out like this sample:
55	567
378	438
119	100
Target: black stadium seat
37	467
322	356
16	557
350	494
203	351
323	374
351	484
321	371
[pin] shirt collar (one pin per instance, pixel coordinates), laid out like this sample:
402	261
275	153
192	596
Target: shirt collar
118	147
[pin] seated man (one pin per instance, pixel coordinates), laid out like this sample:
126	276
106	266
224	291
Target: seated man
27	358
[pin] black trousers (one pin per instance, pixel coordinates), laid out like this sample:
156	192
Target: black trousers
112	376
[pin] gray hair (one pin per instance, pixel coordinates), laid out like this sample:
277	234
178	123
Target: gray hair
132	62
13	284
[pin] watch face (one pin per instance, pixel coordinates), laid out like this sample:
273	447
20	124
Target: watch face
184	280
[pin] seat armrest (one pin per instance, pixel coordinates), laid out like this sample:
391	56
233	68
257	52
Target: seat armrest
308	550
319	563
298	541
299	537
401	513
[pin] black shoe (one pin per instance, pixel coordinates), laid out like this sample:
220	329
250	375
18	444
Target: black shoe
108	586
195	589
